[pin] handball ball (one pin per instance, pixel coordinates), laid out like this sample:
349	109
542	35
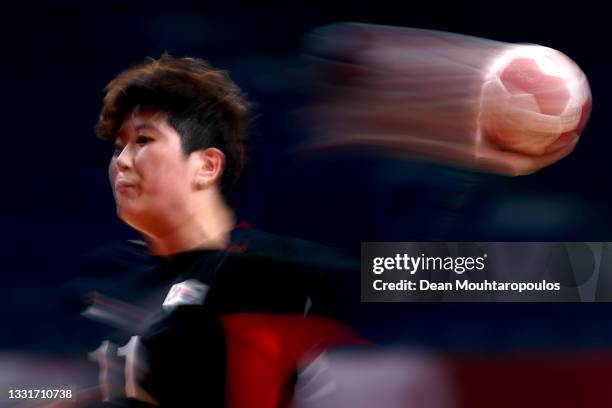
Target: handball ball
534	101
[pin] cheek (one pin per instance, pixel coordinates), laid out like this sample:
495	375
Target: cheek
160	174
112	171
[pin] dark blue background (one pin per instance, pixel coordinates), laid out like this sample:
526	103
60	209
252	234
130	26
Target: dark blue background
57	203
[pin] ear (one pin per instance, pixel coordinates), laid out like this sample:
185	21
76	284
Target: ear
210	165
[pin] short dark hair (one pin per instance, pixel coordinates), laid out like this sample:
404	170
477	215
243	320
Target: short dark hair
202	104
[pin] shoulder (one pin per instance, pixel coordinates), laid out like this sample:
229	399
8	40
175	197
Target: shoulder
114	257
291	250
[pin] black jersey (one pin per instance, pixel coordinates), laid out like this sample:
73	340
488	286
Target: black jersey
157	318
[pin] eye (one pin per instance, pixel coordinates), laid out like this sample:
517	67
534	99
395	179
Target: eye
143	140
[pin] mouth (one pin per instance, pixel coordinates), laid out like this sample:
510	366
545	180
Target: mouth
123	185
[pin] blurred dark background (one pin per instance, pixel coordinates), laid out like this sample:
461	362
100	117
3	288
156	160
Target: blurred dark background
57	203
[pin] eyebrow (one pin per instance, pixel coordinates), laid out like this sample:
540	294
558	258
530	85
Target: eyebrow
141	126
146	125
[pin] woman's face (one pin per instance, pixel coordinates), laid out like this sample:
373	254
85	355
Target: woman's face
151	177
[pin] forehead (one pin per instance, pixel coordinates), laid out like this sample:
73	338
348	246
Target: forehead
143	118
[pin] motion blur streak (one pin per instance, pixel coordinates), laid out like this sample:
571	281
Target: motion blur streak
485	105
394	378
374	378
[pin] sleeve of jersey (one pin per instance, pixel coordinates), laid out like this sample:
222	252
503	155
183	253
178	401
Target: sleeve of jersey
264	351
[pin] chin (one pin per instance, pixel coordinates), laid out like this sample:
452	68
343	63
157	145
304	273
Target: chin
129	215
141	221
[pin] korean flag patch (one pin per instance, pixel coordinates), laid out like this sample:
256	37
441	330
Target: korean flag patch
189	292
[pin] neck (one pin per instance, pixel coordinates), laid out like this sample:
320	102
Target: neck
208	227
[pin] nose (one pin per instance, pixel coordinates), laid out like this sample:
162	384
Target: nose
124	159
